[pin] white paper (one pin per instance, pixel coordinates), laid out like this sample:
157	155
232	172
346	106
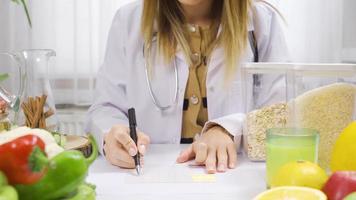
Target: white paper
173	174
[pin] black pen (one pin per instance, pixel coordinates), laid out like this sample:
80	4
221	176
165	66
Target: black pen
133	135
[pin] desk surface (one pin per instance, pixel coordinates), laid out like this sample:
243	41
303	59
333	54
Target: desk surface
164	179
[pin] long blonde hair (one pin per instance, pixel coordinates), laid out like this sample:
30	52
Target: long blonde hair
165	18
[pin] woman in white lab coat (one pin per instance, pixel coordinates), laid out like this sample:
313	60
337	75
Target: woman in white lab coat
177	62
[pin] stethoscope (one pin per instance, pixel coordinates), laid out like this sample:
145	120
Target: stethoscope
152	94
174	102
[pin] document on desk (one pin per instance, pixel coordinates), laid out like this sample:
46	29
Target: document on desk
163	178
174	174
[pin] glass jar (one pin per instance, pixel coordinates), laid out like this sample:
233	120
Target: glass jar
33	104
37	102
316	96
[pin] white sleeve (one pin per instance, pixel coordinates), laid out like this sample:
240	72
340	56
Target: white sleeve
110	105
271	48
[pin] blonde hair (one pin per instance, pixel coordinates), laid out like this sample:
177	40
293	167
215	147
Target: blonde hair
165	18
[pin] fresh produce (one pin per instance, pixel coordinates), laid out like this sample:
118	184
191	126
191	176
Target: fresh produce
291	193
344	150
15	159
300	173
351	196
3	179
84	192
6	192
51	147
340	184
66	171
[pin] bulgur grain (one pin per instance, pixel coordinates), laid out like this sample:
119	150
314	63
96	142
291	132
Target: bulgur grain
255	127
327	109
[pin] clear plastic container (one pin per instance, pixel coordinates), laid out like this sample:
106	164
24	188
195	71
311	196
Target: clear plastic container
317	96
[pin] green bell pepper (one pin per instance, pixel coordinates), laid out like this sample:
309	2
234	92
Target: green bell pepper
3	179
7	192
84	192
65	173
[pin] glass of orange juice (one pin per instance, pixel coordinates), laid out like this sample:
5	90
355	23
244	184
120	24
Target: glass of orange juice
286	145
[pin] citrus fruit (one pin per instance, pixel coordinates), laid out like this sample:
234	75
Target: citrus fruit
300	173
291	193
344	150
351	196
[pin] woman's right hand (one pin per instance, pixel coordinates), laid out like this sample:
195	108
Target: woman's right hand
119	147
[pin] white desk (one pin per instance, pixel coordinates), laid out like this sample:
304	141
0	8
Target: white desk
174	181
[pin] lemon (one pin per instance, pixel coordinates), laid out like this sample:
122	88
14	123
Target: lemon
291	193
300	173
344	150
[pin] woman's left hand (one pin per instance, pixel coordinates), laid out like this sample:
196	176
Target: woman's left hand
215	149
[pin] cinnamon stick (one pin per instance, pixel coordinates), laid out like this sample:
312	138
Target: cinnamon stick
34	112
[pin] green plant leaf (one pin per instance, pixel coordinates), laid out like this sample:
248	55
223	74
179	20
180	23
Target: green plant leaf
26	11
16	1
4	77
23	3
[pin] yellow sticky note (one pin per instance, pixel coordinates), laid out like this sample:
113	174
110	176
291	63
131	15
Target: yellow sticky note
205	178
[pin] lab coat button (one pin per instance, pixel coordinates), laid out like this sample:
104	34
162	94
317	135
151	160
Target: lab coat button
194	100
192	28
196	57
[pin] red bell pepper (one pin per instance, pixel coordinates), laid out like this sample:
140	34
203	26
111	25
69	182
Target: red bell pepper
16	157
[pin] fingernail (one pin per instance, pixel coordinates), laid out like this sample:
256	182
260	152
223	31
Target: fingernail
132	151
142	148
221	167
211	170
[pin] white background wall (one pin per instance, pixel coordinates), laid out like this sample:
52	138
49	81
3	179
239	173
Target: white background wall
349	31
317	31
76	29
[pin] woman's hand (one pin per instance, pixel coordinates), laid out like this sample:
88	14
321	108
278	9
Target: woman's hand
215	149
119	147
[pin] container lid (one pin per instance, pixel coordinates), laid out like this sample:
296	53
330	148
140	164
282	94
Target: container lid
334	69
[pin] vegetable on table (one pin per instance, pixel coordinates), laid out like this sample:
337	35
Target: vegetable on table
65	172
6	192
84	192
15	157
51	147
3	179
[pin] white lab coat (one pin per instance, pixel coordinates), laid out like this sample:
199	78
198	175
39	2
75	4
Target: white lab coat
121	81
